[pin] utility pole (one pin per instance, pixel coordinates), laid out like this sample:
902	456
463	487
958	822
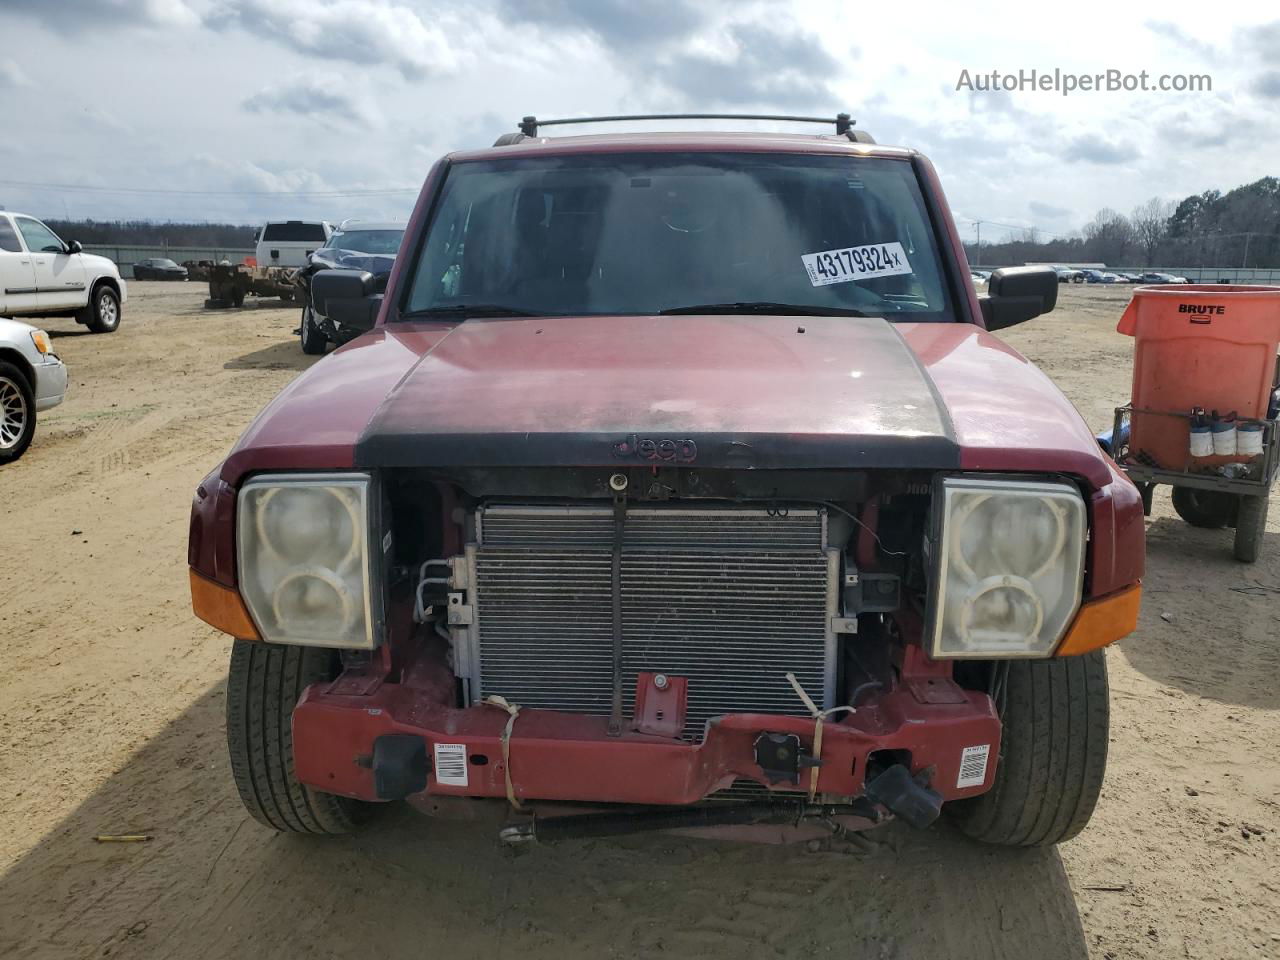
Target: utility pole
1245	259
978	224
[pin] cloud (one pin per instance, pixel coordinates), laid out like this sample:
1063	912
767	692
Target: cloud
765	67
77	15
619	24
11	76
1215	123
1265	40
371	32
322	100
1171	31
1047	211
1267	84
1092	148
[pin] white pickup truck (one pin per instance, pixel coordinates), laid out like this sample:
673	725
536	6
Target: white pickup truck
288	243
41	276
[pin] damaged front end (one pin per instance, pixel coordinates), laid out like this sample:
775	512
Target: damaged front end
693	649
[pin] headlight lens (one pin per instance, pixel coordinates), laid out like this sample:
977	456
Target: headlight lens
1010	567
303	548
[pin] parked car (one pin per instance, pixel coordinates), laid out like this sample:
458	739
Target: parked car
158	268
1126	277
1161	278
1068	275
288	243
32	379
1099	276
674	466
41	276
364	246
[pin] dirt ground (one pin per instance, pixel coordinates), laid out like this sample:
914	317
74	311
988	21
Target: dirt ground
112	695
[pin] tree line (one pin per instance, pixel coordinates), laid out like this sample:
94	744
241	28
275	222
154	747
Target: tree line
1240	228
144	233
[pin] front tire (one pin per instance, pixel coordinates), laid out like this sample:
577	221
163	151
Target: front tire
313	341
1053	754
264	683
102	315
17	413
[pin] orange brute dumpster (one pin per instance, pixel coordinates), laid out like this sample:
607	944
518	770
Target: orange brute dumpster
1200	418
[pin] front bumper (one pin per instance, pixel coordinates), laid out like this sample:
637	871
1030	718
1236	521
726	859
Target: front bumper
571	757
51	382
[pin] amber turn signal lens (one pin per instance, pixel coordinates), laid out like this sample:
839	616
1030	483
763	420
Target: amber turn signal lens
221	607
1103	621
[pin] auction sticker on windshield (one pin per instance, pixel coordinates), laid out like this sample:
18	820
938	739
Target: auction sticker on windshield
856	263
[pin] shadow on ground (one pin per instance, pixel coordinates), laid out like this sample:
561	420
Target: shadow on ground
79	331
1226	649
213	883
282	355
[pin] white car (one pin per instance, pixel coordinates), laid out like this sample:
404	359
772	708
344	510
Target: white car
32	378
42	276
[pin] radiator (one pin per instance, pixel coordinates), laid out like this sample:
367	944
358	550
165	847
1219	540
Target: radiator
732	598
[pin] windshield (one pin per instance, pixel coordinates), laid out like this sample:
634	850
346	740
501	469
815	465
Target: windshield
295	231
164	263
646	233
368	241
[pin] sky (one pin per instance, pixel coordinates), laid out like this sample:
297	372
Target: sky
243	110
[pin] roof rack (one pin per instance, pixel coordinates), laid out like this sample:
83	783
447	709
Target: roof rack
529	125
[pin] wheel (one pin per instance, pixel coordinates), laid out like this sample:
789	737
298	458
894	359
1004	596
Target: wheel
287	297
313	341
102	315
263	685
1053	753
17	413
1210	509
1251	521
237	297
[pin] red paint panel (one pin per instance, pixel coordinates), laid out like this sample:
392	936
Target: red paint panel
1007	414
840	379
313	424
558	756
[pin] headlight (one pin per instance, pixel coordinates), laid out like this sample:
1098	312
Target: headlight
1010	563
304	558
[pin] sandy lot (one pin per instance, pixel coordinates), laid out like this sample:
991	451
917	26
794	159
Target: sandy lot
112	695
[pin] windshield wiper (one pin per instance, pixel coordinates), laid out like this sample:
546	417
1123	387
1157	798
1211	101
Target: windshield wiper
768	306
470	310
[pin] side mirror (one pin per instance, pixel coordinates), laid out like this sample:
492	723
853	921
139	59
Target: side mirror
350	298
74	247
1017	294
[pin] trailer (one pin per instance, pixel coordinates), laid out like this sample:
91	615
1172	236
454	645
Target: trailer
1233	494
229	284
1202	414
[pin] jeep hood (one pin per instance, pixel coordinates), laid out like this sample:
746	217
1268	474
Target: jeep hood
748	391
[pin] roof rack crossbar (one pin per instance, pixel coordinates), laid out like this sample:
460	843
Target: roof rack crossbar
529	125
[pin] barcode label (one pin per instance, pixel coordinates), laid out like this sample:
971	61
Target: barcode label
451	764
973	766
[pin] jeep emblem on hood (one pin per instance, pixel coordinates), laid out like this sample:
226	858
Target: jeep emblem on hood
647	448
